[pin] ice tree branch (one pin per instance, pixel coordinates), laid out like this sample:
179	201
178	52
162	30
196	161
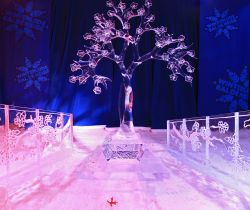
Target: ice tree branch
172	51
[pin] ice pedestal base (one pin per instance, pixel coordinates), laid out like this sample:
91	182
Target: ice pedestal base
118	146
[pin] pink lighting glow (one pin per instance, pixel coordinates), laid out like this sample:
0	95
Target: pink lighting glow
81	178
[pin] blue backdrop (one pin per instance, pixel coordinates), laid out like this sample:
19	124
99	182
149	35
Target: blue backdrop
39	40
224	56
24	48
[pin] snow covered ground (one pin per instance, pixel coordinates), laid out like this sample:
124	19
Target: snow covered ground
82	179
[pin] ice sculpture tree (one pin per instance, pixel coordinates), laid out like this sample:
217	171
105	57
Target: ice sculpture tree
173	51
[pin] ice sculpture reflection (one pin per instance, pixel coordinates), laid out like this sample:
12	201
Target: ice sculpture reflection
172	51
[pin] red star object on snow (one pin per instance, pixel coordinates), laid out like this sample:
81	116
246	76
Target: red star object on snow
112	202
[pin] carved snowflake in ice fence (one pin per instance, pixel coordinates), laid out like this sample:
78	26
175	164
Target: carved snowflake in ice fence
32	74
235	90
24	20
221	23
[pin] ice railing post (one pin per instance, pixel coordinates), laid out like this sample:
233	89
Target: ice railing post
184	127
168	133
39	139
207	142
237	130
71	131
62	120
61	128
6	131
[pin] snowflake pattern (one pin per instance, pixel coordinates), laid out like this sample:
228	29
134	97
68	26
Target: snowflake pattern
32	74
235	90
24	20
222	23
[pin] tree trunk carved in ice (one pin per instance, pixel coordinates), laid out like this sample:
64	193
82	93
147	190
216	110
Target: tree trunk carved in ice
126	108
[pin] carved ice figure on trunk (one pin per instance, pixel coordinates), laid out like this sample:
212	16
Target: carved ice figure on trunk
172	51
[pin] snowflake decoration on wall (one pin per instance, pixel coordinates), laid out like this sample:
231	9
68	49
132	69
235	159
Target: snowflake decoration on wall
24	20
221	23
32	74
235	90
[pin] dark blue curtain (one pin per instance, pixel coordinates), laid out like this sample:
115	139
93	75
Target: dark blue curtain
48	51
224	56
156	98
24	49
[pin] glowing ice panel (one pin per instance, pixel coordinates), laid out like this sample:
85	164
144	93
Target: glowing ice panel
243	159
22	139
3	160
222	129
176	141
3	143
195	144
